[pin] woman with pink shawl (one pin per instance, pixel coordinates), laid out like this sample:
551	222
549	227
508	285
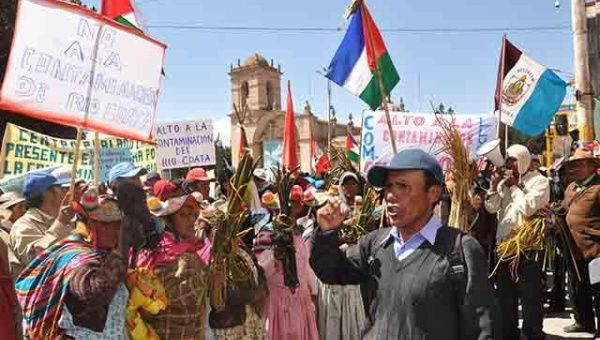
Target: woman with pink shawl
180	262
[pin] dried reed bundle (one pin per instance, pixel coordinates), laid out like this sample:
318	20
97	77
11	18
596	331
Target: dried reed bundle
461	173
363	218
226	268
341	163
284	226
529	236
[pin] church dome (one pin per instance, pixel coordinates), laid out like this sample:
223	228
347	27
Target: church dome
255	60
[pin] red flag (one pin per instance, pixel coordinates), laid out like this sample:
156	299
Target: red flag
290	156
323	165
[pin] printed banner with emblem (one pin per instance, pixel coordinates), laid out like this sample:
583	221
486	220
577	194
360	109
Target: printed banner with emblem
420	130
75	67
24	150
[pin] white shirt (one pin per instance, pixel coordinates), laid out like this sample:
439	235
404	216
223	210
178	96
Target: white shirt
403	249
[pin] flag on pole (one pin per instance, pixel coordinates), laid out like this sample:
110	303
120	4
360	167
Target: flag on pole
290	156
125	13
528	94
352	147
354	65
122	11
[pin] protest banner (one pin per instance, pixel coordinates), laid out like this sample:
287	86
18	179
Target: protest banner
75	67
420	130
272	153
184	144
24	150
110	157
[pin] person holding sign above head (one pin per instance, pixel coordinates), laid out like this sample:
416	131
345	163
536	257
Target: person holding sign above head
48	218
424	280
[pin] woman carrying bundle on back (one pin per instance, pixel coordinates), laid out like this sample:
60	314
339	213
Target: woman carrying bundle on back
179	262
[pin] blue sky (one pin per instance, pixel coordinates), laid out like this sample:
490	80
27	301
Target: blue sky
458	69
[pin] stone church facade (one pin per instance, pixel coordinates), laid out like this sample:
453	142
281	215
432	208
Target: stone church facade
256	85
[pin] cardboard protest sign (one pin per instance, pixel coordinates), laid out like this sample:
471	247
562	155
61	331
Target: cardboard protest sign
24	150
71	66
110	157
420	130
185	144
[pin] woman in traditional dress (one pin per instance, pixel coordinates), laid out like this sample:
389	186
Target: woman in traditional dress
341	309
180	264
76	287
290	310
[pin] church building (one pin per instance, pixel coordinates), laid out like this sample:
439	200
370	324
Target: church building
256	86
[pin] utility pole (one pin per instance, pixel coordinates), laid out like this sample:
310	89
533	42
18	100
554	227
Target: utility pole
328	117
585	112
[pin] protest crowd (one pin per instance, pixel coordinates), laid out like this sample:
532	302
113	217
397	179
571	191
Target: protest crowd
328	255
142	233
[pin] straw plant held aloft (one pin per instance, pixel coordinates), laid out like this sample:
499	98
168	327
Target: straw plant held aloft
462	173
226	268
363	218
341	164
284	226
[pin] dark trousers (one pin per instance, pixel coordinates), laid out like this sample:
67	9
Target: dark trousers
581	293
557	293
528	289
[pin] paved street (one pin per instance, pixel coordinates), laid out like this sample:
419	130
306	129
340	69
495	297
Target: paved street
554	324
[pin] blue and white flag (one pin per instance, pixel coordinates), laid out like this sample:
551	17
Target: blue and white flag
528	94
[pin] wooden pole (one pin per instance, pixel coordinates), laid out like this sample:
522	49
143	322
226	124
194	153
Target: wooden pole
583	84
362	121
96	159
71	194
381	84
502	65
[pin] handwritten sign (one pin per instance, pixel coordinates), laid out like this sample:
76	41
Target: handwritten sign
75	67
420	130
24	150
110	157
185	144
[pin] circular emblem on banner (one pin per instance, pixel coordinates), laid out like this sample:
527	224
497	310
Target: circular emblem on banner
515	88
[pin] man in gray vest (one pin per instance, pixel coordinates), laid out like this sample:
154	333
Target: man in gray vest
423	280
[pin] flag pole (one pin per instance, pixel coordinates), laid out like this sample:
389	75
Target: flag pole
362	121
381	85
96	158
71	194
502	65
